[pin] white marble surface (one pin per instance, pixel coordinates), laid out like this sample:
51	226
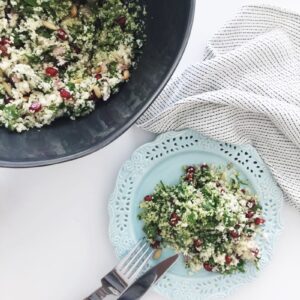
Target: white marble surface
53	221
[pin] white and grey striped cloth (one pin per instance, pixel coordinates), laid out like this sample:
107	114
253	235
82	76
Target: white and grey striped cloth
246	91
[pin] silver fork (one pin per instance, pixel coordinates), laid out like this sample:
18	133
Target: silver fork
125	272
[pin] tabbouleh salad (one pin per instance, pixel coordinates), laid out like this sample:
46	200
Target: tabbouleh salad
59	58
209	216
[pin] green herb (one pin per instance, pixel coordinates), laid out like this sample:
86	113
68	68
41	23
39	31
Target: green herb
34	59
71	86
45	32
11	112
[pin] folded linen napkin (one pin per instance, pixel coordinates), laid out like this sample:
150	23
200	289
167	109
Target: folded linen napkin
246	91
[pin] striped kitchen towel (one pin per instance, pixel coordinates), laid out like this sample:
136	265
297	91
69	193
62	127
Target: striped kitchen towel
245	91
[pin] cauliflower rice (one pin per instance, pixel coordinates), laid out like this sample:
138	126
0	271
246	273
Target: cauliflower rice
209	217
59	58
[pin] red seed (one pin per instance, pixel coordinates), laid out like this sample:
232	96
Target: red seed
204	167
234	234
5	41
148	198
255	252
189	177
251	203
52	72
174	219
61	34
198	243
208	267
8	100
121	21
190	169
250	214
98	76
243	191
35	107
155	245
65	94
259	221
77	49
4	50
228	259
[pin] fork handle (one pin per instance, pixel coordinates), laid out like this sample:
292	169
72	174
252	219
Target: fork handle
100	294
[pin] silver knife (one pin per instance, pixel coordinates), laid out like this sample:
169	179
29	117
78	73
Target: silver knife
146	281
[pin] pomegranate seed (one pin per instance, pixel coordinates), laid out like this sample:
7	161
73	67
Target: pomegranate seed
8	100
65	94
190	170
198	243
243	191
259	221
250	214
121	21
218	184
5	41
222	191
98	76
255	252
62	35
77	49
208	267
4	50
228	259
35	107
174	219
148	198
155	245
204	167
234	234
189	177
52	72
251	203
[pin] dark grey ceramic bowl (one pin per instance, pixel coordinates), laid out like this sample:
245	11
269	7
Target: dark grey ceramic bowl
168	27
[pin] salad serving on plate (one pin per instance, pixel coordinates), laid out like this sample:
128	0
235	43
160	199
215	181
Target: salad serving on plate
209	216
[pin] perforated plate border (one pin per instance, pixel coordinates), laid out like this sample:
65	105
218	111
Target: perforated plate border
144	158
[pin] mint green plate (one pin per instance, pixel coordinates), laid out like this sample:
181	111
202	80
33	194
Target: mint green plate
163	159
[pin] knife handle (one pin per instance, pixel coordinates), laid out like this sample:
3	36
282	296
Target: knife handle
100	294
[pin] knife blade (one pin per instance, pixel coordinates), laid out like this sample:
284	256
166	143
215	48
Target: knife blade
146	281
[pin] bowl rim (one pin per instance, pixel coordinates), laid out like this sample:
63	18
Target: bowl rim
123	129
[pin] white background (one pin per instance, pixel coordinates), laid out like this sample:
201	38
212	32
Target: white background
54	225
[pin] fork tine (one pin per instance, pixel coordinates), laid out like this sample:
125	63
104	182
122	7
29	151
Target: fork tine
129	254
135	273
134	257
